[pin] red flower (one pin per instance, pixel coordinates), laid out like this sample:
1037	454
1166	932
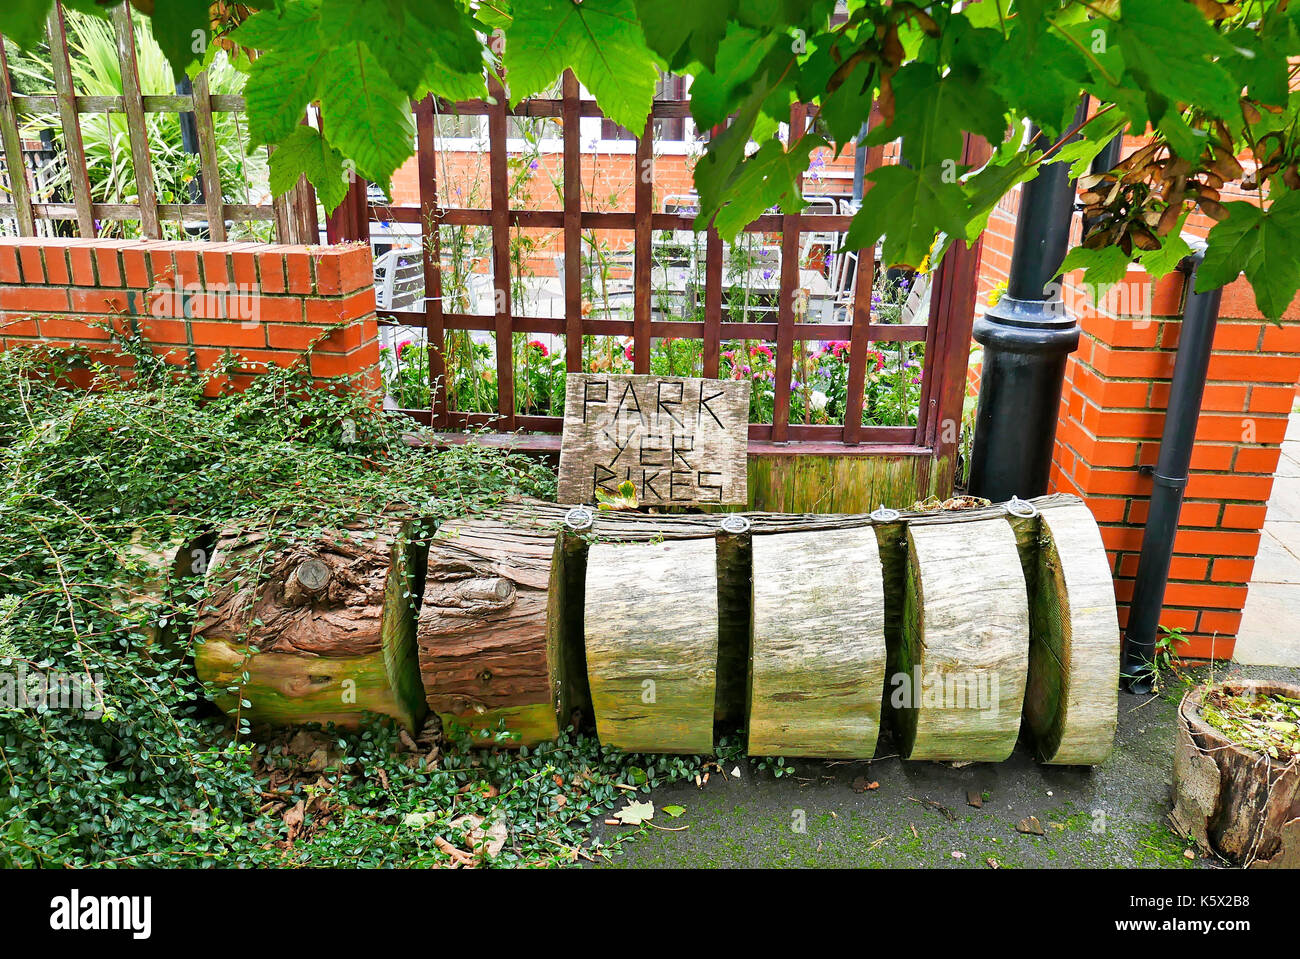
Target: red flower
539	345
765	350
628	352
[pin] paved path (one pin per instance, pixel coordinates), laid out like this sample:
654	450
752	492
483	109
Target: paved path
1270	624
918	815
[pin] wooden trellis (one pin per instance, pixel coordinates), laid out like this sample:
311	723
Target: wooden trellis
294	215
946	336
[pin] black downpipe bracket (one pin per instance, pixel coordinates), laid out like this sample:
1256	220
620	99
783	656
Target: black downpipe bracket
1027	337
1191	365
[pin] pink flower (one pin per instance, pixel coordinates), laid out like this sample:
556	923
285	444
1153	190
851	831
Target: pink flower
628	352
402	346
540	346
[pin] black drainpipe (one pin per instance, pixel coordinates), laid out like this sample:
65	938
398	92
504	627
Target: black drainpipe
1027	337
1191	365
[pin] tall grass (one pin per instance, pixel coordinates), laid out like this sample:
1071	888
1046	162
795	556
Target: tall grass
96	72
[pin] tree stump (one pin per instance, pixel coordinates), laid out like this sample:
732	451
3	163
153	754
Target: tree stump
964	649
1072	699
651	625
490	630
323	629
818	660
1232	800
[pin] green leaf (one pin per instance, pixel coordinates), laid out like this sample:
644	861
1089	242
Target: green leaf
716	169
1007	168
1175	51
1103	268
600	40
23	21
1093	137
451	33
278	28
908	206
684	30
1160	263
932	111
183	29
765	180
1048	91
306	152
365	116
742	65
1264	245
280	85
1229	246
674	811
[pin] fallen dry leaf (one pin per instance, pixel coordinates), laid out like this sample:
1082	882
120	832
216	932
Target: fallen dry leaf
1030	826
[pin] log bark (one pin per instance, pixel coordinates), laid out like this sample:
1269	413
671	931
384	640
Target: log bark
1072	699
818	661
1231	800
964	651
651	630
490	633
324	629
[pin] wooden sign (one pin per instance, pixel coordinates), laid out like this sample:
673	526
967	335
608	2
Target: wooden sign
680	441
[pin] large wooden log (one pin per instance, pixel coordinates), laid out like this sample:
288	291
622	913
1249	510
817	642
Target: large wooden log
490	630
1072	698
818	661
651	630
733	573
964	650
319	631
1231	800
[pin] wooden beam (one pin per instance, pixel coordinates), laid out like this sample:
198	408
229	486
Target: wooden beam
133	106
572	224
431	249
500	190
13	145
70	122
642	276
208	164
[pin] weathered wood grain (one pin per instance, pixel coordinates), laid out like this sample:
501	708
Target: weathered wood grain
959	679
679	440
327	654
1072	699
489	631
818	653
651	630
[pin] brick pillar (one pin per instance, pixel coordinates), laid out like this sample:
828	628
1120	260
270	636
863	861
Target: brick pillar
1112	415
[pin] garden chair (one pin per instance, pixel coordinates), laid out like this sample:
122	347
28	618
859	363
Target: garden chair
399	280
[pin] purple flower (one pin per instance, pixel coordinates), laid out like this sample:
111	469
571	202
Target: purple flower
533	165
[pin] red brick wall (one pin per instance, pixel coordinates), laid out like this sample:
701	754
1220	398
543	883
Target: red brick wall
196	302
1112	415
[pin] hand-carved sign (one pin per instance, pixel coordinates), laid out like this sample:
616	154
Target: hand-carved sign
677	440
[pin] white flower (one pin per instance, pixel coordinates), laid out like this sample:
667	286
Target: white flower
817	400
